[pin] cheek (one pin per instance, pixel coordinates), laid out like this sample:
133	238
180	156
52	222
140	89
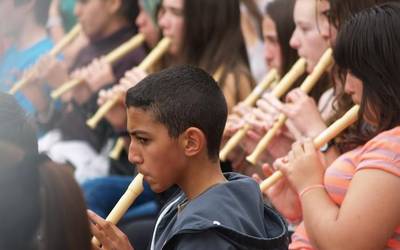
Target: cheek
164	170
178	31
314	49
278	57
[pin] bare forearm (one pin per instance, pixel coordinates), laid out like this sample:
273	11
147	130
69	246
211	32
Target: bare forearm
320	216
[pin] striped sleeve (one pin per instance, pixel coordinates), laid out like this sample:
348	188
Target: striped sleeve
383	153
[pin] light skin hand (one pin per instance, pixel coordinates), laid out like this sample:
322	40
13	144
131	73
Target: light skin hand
52	71
98	74
303	113
369	209
132	77
304	167
282	195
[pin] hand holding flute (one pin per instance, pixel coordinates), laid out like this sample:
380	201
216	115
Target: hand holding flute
324	63
133	191
96	76
153	57
297	70
67	39
110	58
310	148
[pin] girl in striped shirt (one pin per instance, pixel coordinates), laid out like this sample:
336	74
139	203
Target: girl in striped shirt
353	203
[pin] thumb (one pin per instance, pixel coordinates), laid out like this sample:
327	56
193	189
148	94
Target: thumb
266	168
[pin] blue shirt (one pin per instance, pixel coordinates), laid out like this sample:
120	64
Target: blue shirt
15	61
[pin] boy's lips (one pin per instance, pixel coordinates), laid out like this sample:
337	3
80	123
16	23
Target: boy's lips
146	176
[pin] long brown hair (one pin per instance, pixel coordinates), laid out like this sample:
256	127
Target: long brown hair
65	222
216	40
368	47
255	13
340	10
281	12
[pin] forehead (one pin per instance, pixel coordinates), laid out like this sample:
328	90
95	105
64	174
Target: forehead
175	4
268	25
305	10
140	119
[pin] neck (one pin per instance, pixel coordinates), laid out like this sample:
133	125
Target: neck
200	176
31	33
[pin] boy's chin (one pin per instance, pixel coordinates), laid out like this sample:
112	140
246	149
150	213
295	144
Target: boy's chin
157	188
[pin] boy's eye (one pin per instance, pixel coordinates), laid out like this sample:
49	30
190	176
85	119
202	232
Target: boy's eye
142	140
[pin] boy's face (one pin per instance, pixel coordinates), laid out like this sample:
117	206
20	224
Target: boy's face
160	158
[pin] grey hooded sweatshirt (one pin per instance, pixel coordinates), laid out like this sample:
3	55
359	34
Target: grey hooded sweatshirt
230	215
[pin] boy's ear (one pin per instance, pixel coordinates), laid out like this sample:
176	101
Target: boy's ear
194	141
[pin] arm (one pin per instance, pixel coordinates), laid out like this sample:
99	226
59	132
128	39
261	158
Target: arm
370	211
368	215
55	22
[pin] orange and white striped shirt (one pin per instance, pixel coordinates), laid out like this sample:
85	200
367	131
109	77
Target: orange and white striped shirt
382	152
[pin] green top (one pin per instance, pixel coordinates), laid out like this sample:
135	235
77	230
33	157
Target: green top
150	6
67	13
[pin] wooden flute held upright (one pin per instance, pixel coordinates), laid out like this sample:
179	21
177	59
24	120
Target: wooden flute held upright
324	63
152	58
111	58
130	195
65	41
118	148
283	86
328	134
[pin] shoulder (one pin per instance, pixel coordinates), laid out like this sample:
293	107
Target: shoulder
209	239
382	152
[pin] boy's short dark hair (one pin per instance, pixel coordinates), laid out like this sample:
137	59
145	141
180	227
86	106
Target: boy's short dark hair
183	97
41	9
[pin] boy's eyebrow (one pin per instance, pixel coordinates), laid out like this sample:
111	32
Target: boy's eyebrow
137	132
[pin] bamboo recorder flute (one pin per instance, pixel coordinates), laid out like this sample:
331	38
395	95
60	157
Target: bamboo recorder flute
111	58
130	195
153	57
328	134
285	83
118	148
65	41
324	63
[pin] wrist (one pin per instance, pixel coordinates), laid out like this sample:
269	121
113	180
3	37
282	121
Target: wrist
310	188
315	131
325	148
